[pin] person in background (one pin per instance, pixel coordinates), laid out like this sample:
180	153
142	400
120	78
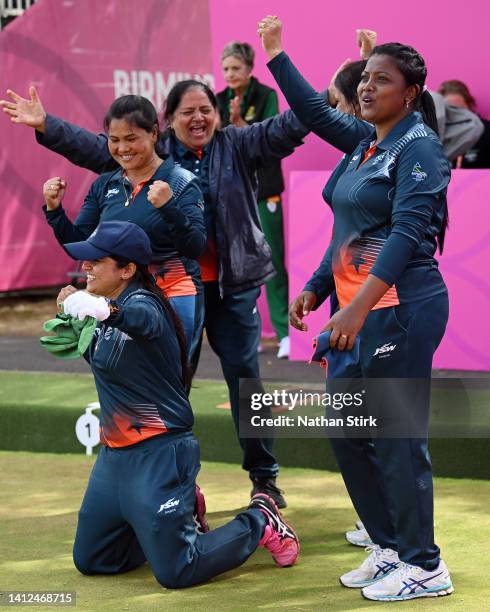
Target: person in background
243	102
139	501
456	93
237	260
459	127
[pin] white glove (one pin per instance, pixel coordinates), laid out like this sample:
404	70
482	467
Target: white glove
81	304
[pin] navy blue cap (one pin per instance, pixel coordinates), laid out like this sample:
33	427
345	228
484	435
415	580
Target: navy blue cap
121	239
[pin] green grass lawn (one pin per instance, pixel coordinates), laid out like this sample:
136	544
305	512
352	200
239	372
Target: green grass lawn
38	412
41	493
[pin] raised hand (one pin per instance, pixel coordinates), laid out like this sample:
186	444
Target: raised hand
270	31
333	92
54	192
25	111
159	194
366	41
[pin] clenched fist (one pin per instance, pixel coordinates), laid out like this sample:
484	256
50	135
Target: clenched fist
159	194
270	29
63	294
366	41
54	191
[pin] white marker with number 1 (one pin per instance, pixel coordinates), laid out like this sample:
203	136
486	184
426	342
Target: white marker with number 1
87	428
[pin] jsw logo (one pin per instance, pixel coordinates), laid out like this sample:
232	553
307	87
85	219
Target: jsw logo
171	503
386	348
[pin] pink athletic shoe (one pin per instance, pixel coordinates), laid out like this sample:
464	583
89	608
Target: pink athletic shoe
199	513
279	538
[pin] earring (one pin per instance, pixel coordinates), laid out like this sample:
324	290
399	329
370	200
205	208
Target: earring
407	102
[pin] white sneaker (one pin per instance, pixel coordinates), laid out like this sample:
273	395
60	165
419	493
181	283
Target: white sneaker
284	348
358	537
378	565
409	582
359	525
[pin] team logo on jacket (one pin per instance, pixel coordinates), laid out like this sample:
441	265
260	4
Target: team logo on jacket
111	192
418	174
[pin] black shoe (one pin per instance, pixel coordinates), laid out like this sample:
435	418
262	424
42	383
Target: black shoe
268	486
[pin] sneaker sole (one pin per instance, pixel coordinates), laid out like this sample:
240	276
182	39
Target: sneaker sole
365	583
446	590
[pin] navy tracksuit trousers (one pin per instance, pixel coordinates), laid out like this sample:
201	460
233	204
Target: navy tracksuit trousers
233	330
138	506
389	480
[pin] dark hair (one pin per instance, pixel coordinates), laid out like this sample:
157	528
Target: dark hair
348	79
412	65
145	279
136	110
458	87
177	93
241	50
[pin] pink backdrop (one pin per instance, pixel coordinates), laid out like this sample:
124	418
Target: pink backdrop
318	35
465	345
81	55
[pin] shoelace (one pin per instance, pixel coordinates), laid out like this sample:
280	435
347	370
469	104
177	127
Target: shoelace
403	570
197	525
274	543
282	529
373	548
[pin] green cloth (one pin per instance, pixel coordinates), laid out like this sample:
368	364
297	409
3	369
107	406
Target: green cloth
72	336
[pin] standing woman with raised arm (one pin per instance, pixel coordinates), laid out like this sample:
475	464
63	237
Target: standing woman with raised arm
388	196
237	259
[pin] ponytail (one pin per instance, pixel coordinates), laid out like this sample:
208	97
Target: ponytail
425	104
146	280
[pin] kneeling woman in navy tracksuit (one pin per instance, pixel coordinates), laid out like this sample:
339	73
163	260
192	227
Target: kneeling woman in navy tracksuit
140	497
388	196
